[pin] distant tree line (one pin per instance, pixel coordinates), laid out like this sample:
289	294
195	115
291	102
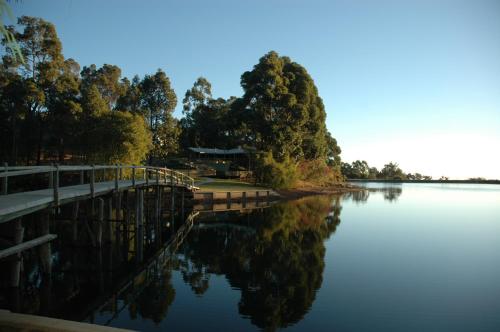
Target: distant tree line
53	110
360	169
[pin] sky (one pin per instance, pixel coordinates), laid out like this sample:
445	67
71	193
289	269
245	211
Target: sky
413	82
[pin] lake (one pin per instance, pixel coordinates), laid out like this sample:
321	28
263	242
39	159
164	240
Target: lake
397	257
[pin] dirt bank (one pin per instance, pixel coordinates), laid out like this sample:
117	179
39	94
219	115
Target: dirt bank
306	190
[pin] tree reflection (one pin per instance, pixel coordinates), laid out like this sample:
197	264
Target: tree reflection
275	257
154	299
358	196
390	194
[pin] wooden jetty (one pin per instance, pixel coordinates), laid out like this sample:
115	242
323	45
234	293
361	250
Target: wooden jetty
10	321
15	205
110	193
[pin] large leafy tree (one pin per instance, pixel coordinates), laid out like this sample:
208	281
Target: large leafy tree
287	113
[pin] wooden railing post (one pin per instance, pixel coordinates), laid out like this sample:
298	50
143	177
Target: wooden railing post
121	173
171	177
116	176
133	176
56	185
51	178
157	177
92	181
82	176
5	180
146	177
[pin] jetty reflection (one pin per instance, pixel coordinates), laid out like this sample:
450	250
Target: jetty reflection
273	255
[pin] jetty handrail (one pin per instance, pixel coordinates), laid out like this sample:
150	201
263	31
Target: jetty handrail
163	174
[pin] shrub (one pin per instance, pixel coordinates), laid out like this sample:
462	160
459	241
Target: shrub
277	175
317	172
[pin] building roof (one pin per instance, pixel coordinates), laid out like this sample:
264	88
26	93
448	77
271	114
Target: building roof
238	150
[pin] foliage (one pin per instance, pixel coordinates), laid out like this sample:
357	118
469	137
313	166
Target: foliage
276	174
118	137
361	170
318	172
286	112
208	121
50	110
166	139
10	40
392	171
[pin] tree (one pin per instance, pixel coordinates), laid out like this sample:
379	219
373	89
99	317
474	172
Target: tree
106	135
392	171
167	138
360	169
43	59
373	173
131	100
158	103
199	95
333	151
64	109
287	114
208	121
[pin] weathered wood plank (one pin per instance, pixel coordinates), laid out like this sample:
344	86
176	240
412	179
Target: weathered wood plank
26	245
22	322
19	204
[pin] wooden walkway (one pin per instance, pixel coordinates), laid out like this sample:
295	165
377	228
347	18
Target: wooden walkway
16	205
10	321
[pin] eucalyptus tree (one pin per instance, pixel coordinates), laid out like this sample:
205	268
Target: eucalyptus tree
107	80
64	109
131	100
42	53
158	100
287	114
208	121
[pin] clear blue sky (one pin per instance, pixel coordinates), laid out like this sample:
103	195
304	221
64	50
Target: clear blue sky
416	82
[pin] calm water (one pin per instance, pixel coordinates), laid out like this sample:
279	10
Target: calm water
411	257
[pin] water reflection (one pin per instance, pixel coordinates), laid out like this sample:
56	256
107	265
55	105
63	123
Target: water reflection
277	268
274	258
154	300
390	193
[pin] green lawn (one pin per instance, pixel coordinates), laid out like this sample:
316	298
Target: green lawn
228	185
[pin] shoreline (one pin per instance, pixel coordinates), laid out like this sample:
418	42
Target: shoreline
426	181
300	192
271	195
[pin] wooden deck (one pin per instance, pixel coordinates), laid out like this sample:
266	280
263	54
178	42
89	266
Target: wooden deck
10	321
16	205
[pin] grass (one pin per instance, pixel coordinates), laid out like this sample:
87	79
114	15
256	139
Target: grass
228	185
